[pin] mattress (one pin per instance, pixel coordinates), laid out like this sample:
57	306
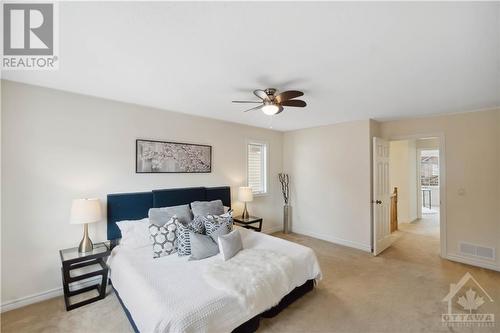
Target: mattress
170	294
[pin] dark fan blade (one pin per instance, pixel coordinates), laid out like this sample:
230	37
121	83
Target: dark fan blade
286	95
255	108
294	102
257	102
261	94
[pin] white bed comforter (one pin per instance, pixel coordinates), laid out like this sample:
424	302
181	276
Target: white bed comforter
172	294
256	277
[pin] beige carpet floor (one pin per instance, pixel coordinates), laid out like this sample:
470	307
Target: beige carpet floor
399	291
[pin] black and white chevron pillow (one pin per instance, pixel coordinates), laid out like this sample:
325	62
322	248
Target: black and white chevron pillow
164	238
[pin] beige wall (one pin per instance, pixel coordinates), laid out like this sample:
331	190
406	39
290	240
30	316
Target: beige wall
331	182
472	187
403	175
57	146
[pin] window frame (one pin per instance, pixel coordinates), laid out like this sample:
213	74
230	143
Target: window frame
265	164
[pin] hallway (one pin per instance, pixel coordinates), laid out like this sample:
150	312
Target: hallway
428	225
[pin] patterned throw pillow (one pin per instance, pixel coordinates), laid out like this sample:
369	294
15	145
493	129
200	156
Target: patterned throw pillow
214	222
164	238
183	241
198	225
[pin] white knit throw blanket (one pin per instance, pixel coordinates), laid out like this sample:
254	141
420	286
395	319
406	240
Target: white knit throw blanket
259	279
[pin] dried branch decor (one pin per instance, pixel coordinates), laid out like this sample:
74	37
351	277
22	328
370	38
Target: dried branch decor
285	181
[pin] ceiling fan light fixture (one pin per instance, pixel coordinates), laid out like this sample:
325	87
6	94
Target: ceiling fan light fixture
270	109
272	103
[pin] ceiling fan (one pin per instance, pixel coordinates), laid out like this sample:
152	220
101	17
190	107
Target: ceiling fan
273	102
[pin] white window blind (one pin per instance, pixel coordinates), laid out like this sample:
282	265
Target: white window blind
257	167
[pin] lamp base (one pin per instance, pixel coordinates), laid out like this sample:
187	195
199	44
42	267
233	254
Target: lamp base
245	214
85	244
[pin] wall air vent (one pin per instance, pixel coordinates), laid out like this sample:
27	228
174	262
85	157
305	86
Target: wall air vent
477	251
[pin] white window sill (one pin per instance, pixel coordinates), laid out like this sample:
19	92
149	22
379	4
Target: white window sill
258	195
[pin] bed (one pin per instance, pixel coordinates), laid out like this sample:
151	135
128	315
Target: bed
172	294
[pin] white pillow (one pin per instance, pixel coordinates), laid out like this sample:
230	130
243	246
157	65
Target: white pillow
230	244
135	233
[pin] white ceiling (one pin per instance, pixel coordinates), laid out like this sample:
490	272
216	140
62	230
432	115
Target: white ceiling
353	60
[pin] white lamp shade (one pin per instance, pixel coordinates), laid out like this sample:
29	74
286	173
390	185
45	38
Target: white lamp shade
85	211
245	194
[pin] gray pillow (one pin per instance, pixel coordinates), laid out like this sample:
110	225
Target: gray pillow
230	244
160	216
204	208
202	246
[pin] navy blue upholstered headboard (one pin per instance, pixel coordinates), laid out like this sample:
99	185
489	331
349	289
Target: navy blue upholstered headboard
135	206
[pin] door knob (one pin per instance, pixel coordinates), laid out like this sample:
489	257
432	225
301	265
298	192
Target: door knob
378	202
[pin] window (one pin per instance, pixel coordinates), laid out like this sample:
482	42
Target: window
257	167
429	168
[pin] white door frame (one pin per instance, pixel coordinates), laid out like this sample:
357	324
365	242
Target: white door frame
442	181
419	184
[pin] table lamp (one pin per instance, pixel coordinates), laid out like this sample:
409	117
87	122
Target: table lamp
245	195
85	211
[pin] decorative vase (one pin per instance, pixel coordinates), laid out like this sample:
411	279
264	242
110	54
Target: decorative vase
287	215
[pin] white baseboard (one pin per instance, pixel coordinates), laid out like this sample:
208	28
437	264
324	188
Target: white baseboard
44	295
30	299
340	241
472	261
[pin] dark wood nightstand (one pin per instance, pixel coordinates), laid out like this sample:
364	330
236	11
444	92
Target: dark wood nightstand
90	264
246	223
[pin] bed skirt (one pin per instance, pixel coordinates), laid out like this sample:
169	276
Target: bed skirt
253	324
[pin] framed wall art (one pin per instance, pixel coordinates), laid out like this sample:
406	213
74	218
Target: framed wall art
172	157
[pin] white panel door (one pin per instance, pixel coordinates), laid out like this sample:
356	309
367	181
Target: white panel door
381	196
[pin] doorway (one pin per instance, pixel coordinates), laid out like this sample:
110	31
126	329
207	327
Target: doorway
428	187
415	178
